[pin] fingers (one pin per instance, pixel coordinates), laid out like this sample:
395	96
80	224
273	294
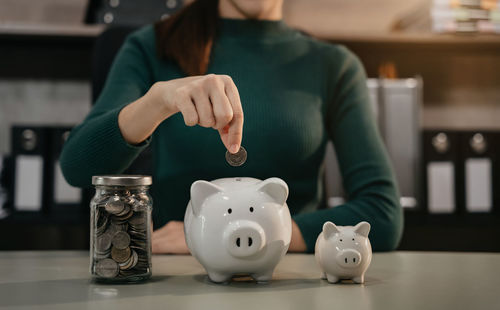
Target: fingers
221	105
204	108
235	130
213	101
186	106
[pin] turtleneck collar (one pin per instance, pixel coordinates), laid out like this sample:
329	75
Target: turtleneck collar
253	29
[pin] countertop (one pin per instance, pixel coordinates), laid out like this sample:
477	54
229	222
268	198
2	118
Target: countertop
396	280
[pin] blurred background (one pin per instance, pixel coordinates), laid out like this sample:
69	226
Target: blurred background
434	77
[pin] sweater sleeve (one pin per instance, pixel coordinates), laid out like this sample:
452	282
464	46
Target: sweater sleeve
368	180
96	146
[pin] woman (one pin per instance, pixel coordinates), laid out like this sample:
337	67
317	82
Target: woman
187	83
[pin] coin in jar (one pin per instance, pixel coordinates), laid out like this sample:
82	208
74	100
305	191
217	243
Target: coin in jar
138	220
101	223
238	158
121	240
114	227
130	262
103	242
124	214
114	205
107	268
120	256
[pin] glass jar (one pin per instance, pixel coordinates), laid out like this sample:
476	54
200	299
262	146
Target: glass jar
120	228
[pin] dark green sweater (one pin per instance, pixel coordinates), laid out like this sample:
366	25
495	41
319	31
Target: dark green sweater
297	93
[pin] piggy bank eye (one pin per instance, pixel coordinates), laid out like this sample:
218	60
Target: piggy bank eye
352	239
340	240
229	210
251	209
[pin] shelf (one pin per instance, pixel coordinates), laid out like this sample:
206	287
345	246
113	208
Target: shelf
414	37
52	30
343	36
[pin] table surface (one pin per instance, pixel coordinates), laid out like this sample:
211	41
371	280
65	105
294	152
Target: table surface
396	280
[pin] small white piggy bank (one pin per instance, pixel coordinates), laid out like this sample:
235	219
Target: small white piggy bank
344	252
238	226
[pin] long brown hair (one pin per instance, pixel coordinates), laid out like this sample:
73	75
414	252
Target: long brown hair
187	36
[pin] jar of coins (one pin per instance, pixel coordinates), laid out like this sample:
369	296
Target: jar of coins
120	228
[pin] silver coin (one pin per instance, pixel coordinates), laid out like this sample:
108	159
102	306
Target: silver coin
130	263
115	205
125	213
99	256
103	243
121	217
121	240
238	158
140	249
120	256
114	228
137	235
107	268
138	220
101	223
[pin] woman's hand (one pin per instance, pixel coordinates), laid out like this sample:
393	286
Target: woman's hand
210	101
170	239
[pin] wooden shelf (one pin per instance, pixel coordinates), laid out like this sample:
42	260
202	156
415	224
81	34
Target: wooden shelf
414	37
476	40
51	30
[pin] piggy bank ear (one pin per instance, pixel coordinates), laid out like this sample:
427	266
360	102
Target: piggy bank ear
330	229
200	191
362	228
276	188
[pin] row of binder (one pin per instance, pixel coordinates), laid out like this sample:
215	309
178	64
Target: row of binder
35	182
462	172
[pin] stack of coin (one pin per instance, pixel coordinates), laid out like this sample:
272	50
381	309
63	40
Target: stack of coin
121	246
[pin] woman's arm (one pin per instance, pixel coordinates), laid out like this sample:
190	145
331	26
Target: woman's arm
372	194
131	107
96	146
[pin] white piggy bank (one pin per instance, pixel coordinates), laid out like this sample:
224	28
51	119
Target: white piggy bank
344	252
238	226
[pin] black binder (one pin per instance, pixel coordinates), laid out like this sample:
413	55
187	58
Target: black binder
495	138
62	195
440	171
30	150
478	150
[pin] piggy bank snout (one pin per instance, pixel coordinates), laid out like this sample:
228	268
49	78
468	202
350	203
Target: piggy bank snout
349	258
244	238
